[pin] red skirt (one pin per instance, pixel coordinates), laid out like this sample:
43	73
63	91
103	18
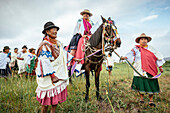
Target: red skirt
59	98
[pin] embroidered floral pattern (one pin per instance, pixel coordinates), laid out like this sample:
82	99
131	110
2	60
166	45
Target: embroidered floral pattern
47	53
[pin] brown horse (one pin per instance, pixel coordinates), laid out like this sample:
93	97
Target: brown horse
107	32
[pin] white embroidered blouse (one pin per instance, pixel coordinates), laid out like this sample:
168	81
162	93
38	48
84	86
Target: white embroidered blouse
135	56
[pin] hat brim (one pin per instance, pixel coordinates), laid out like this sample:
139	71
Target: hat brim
24	47
138	38
83	12
7	48
32	49
52	26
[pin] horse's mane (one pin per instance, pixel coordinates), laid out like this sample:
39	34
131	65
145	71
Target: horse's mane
96	37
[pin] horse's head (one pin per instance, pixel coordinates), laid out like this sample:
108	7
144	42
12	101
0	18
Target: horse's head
110	34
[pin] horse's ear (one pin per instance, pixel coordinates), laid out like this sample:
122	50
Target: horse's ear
103	19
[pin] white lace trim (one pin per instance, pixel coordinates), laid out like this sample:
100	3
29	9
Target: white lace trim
50	93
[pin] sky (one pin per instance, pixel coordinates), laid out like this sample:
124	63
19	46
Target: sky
22	21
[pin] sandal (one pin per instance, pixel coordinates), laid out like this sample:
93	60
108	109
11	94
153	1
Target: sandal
152	104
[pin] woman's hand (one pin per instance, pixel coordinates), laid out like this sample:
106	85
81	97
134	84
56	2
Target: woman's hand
123	58
77	60
161	69
84	36
20	58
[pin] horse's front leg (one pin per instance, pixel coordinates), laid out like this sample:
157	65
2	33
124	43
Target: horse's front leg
87	84
97	74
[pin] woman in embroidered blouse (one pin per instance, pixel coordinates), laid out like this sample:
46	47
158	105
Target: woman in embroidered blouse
146	59
30	62
83	28
51	71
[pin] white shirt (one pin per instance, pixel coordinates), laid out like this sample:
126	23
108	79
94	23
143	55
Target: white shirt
3	60
28	58
110	61
79	28
14	57
22	63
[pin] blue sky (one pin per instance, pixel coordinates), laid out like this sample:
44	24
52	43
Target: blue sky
22	21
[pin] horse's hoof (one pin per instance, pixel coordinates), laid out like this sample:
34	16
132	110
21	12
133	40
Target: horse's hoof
100	98
70	82
86	99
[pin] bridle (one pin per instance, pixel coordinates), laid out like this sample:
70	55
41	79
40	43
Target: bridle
109	40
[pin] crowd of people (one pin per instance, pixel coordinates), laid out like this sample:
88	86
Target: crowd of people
14	62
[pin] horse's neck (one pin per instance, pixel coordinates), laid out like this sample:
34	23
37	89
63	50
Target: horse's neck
96	39
99	46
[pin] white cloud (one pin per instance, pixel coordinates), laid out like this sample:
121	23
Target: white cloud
166	8
25	23
152	17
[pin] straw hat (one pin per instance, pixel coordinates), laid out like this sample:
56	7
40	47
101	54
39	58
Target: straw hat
86	11
143	35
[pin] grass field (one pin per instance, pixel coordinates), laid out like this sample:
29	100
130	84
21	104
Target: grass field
18	95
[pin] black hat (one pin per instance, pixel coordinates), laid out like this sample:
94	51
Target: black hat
31	49
6	47
24	47
49	25
15	48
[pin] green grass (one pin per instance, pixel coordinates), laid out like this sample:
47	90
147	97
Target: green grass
18	95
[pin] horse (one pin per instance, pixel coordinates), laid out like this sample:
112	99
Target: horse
105	38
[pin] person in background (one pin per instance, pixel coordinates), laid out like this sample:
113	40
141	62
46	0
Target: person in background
13	64
30	62
8	69
4	60
21	61
146	60
109	63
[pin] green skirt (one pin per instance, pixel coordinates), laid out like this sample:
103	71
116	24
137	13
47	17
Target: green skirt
32	65
144	85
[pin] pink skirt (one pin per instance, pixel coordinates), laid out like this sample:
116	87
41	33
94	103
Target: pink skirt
59	98
79	53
